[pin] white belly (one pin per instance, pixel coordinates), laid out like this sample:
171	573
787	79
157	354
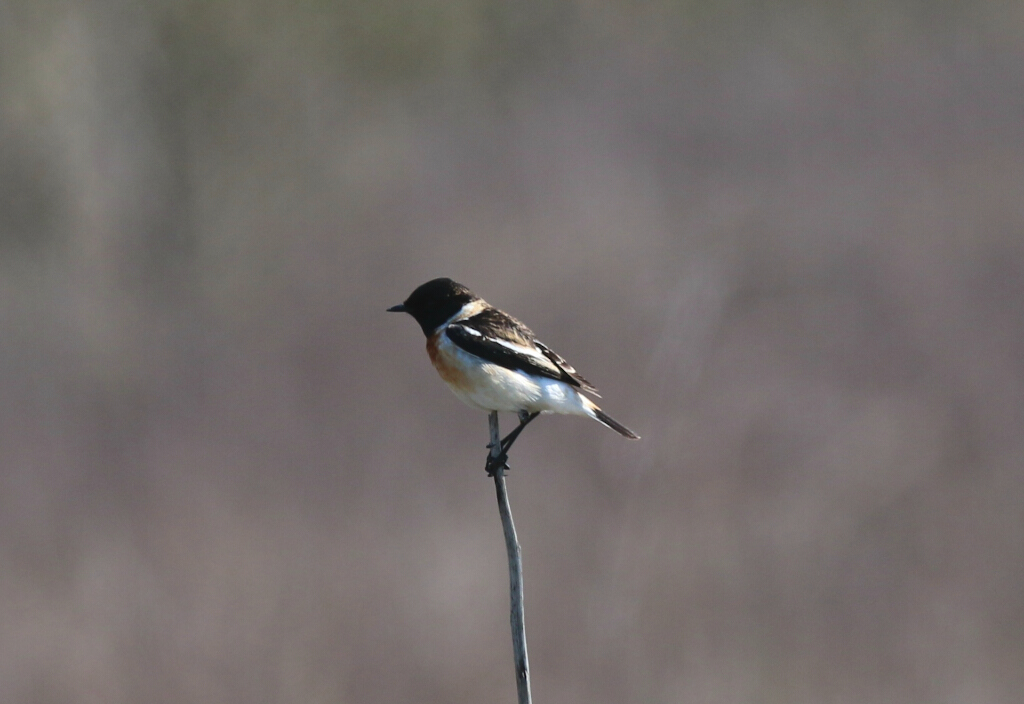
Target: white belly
495	388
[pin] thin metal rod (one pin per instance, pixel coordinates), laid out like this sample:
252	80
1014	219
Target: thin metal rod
515	571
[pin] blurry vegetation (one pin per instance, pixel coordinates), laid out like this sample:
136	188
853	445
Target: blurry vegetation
784	239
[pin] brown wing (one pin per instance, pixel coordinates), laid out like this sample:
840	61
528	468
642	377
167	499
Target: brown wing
501	339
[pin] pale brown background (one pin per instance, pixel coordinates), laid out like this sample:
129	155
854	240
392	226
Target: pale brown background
786	243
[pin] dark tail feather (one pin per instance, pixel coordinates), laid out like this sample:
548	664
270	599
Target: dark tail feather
615	425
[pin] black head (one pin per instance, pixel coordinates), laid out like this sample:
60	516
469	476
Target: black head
435	302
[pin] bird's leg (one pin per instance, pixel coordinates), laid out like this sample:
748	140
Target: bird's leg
501	461
524	420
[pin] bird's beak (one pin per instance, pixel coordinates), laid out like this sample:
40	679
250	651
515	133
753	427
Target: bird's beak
400	308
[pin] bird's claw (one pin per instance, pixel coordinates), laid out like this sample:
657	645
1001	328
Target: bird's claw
497	464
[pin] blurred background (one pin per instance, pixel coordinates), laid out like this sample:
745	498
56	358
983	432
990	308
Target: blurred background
786	241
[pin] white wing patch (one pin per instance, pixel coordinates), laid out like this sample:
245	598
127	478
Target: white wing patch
521	349
508	344
534	355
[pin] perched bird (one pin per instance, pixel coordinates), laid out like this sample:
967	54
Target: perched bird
492	361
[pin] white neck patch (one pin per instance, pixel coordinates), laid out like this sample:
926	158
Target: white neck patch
468	310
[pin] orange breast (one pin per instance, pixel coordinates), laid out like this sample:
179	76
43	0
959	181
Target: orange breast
445	366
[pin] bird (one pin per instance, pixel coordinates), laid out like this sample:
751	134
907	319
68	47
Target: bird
493	362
